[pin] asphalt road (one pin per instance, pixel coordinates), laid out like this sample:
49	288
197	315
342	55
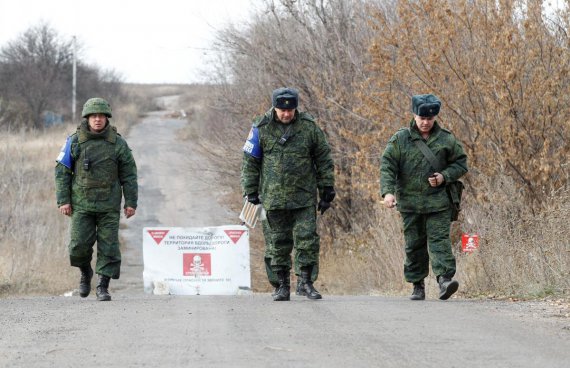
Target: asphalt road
137	330
142	330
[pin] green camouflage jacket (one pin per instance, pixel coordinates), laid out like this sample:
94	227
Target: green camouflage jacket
102	169
287	175
405	170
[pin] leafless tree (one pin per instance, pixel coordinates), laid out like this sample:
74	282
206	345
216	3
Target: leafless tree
32	70
36	75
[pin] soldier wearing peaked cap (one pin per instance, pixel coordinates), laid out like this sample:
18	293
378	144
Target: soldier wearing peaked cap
410	183
94	170
287	167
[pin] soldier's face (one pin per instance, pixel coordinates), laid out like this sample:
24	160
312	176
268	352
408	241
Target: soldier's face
97	122
424	124
285	115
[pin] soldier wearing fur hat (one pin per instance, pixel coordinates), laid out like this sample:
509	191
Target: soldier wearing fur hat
94	170
410	183
286	167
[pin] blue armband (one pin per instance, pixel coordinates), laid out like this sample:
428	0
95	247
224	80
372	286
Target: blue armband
64	156
252	146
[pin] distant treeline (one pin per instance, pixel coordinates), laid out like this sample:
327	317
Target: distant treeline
36	74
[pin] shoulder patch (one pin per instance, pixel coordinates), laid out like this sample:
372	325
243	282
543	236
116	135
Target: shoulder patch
252	145
65	158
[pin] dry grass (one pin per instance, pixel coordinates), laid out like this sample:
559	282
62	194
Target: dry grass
521	253
33	235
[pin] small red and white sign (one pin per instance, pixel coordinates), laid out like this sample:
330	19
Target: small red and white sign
196	264
234	235
158	235
469	242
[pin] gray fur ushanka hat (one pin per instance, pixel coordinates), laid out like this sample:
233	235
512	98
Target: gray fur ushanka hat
425	105
285	98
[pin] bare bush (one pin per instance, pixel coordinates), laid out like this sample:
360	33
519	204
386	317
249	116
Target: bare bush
500	69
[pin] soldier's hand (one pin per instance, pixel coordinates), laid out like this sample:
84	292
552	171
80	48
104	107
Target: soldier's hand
129	212
323	206
389	201
65	209
253	198
328	194
436	179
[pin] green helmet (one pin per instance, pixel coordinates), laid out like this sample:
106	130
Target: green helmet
96	106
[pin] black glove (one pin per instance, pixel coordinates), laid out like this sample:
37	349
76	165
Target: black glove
253	198
323	206
328	194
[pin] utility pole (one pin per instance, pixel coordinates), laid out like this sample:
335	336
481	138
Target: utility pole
74	83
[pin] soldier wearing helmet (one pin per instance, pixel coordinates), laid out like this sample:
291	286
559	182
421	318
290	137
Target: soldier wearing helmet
286	167
94	170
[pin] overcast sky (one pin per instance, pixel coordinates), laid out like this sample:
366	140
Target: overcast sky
148	41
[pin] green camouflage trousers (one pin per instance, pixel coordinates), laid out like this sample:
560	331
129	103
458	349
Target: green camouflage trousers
290	229
103	227
427	238
272	276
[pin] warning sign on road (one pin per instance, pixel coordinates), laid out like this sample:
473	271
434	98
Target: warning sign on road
194	261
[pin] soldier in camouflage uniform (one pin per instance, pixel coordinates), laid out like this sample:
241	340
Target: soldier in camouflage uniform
286	161
94	170
409	182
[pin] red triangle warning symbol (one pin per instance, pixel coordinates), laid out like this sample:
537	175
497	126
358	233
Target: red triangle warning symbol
158	235
234	235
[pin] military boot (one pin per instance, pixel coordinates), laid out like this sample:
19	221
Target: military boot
300	291
419	292
103	288
283	292
275	287
447	287
307	284
85	282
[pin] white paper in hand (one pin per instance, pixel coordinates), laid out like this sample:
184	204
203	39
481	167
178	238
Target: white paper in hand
250	213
